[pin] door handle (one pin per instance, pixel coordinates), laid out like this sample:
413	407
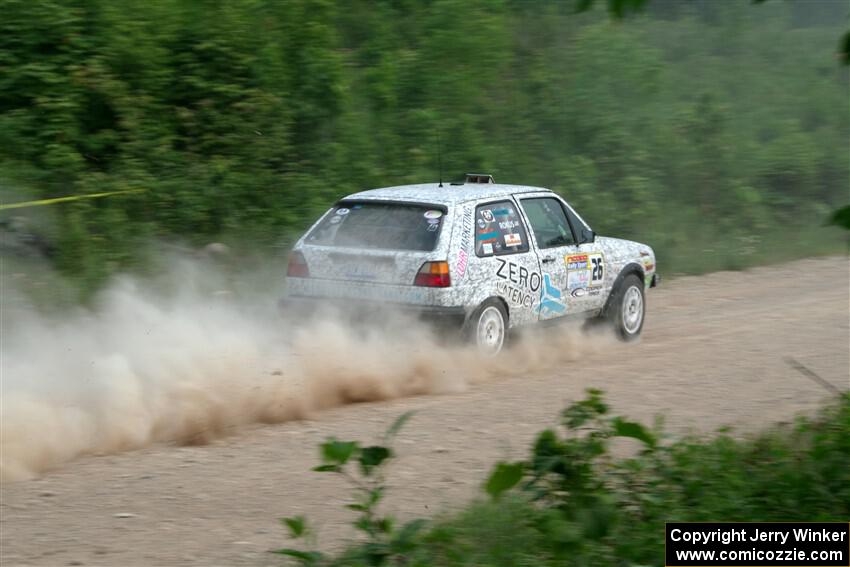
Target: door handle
547	260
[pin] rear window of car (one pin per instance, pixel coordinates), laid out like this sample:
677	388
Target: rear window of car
499	230
380	226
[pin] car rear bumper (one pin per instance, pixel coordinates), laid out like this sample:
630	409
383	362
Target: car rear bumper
369	311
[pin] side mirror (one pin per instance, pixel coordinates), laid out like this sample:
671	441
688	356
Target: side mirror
587	236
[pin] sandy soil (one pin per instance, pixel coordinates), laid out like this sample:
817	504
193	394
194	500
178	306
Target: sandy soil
713	353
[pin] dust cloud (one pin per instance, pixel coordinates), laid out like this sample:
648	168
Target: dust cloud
181	361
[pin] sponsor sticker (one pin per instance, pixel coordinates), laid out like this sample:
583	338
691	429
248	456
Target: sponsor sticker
433	221
576	262
486	248
487	215
550	300
584	270
515	295
578	276
335	219
433	214
462	261
433	227
513	239
578	279
518	275
343	211
465	237
580	292
481	224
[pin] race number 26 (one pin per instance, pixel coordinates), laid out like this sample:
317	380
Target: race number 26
598	269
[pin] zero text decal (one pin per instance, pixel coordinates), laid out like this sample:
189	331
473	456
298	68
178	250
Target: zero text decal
518	284
518	275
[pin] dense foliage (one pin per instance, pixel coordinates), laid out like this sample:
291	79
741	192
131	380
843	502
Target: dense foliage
715	131
573	503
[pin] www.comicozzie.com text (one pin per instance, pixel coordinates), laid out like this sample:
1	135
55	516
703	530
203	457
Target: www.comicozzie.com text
726	536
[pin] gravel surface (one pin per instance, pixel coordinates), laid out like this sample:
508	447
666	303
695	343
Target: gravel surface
714	353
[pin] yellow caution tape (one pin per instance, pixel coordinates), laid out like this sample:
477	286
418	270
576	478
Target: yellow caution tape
65	199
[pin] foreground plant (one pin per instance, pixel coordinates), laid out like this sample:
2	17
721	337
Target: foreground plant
385	544
571	503
588	508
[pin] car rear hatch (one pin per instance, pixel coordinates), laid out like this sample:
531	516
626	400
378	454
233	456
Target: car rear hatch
383	242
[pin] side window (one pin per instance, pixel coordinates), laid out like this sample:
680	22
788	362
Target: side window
580	229
499	230
548	221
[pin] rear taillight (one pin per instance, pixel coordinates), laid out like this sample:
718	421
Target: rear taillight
433	274
297	267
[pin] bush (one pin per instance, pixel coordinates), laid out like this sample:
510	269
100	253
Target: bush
572	503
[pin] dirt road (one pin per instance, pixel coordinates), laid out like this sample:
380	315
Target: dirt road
712	354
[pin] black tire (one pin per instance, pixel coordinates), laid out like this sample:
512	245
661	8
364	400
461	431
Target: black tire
487	327
627	310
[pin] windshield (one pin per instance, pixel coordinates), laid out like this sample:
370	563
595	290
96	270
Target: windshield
381	226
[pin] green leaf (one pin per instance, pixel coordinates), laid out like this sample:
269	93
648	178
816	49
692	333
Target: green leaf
841	217
623	428
403	540
549	453
306	557
371	457
504	477
618	8
579	413
583	5
373	553
844	49
596	517
327	468
337	452
398	424
297	525
385	525
364	525
375	496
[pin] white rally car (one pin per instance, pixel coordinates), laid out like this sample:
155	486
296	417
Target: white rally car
486	256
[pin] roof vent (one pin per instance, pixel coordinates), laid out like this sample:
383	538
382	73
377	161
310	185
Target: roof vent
479	178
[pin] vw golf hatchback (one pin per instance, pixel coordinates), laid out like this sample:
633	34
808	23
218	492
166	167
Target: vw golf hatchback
486	257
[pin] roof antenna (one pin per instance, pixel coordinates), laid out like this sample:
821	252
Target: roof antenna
440	157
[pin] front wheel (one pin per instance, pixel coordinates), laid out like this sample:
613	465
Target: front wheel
487	327
628	309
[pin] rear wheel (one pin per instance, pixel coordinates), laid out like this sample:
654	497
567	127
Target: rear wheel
628	308
488	327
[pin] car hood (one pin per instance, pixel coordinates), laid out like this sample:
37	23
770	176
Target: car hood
625	250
